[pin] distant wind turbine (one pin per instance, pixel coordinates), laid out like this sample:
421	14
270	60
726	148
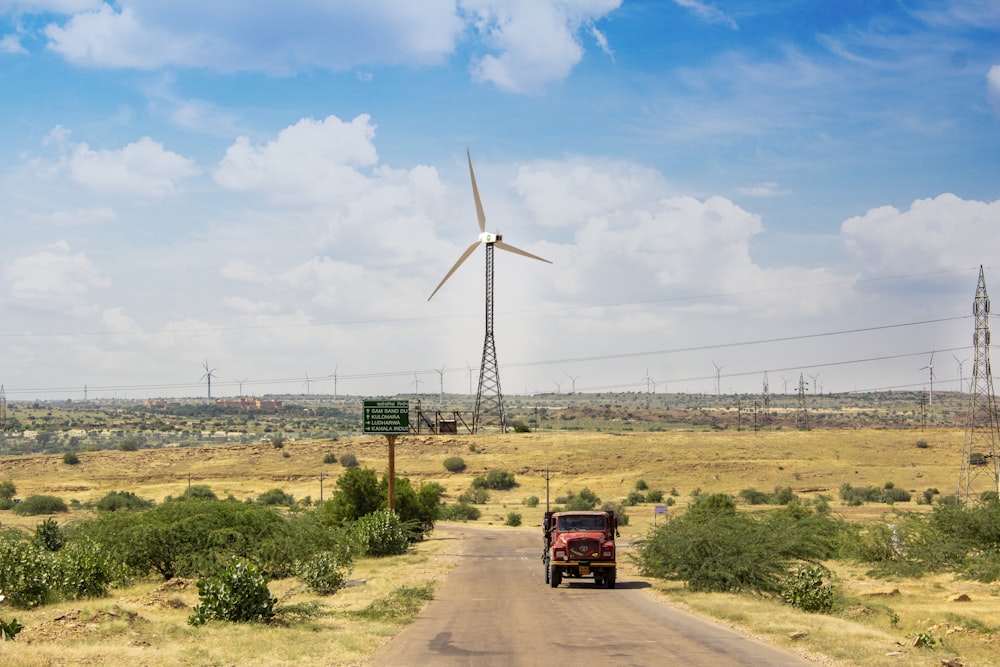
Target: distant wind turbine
209	374
930	369
718	378
961	379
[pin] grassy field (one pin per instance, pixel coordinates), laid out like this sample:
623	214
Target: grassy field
874	623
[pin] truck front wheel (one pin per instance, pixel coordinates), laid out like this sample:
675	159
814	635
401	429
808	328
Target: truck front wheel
555	576
609	578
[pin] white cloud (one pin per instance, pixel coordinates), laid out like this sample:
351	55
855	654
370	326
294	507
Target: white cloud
246	306
765	189
246	272
79	217
232	35
309	161
11	44
536	41
54	279
939	233
993	85
143	168
707	12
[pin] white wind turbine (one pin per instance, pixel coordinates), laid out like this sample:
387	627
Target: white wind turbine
930	369
489	375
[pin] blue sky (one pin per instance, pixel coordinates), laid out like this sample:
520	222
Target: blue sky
791	187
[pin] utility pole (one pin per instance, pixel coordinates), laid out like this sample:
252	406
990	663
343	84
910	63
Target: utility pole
982	433
803	413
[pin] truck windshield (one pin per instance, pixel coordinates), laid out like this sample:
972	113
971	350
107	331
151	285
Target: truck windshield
570	523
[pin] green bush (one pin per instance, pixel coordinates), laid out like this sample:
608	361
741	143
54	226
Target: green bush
513	519
198	492
35	505
747	552
500	480
349	461
7	489
634	498
521	427
654	496
381	533
460	512
530	501
323	573
641	485
48	535
70	458
238	594
122	500
585	500
329	457
454	464
87	571
809	589
28	574
276	497
475	496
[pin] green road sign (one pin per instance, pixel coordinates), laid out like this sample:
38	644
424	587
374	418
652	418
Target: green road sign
386	417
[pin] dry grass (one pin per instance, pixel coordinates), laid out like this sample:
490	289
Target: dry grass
864	629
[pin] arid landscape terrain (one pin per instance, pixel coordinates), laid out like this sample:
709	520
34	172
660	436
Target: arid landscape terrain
875	624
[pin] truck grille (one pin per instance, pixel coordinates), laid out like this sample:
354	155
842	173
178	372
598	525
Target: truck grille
584	548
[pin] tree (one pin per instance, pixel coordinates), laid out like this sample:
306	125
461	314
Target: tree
7	489
357	495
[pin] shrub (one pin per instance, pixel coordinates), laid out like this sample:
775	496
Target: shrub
530	501
521	427
748	552
460	511
238	593
753	497
349	461
122	500
35	505
634	498
276	497
654	496
70	458
474	496
198	492
7	489
641	485
323	573
500	480
87	571
922	444
381	533
357	494
48	535
329	457
278	441
809	589
513	519
129	444
454	464
28	574
585	500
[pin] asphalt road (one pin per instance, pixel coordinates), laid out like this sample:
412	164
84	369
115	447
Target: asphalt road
496	609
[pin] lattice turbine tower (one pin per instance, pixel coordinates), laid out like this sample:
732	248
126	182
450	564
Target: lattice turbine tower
980	469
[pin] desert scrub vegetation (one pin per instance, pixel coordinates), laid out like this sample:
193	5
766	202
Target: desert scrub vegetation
498	480
454	464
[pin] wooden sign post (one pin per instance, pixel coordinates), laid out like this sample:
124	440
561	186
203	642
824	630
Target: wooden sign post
391	419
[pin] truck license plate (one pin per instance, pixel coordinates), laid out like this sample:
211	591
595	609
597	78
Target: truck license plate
584	569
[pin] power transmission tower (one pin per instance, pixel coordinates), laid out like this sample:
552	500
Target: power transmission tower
803	417
979	450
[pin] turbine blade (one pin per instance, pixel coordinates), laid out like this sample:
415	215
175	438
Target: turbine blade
465	256
480	214
518	251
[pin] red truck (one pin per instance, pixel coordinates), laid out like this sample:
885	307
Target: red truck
580	544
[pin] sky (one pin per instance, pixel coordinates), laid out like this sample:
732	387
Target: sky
730	193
